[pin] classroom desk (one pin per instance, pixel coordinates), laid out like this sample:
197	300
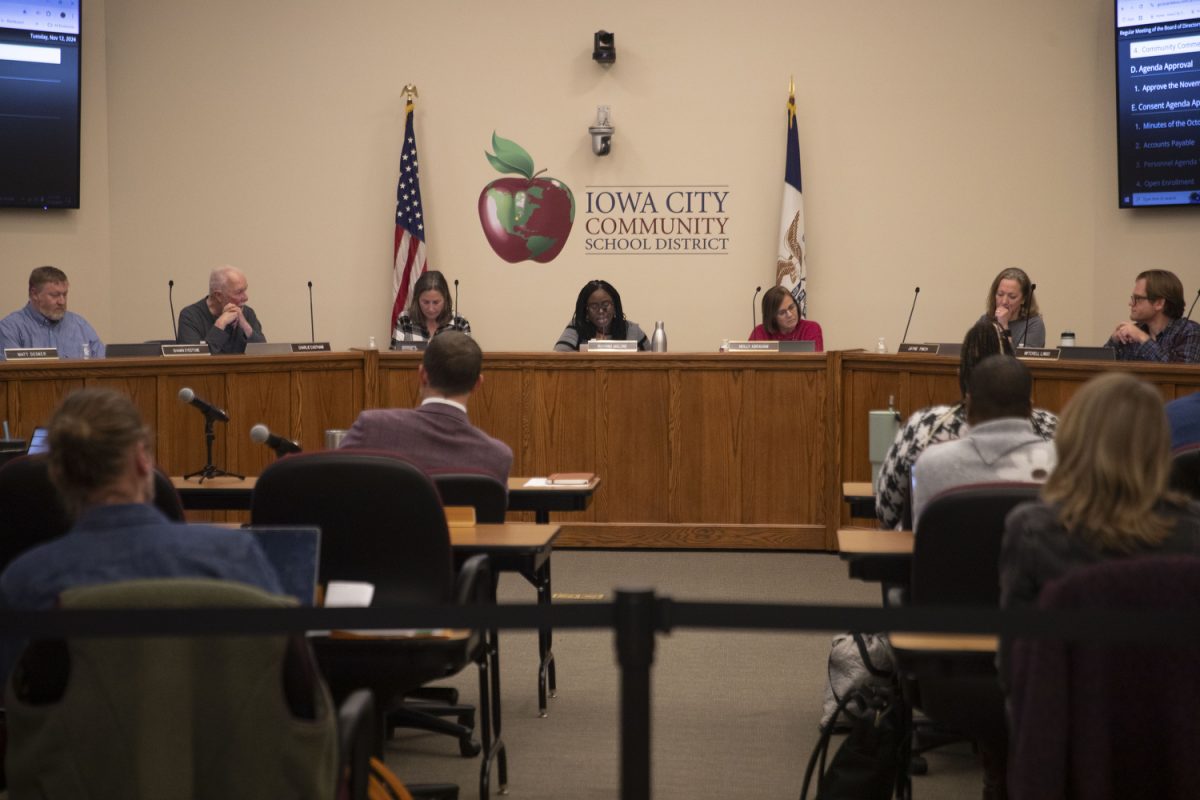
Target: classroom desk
859	496
541	500
877	556
224	493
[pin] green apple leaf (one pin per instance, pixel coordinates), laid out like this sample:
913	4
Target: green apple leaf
510	157
539	244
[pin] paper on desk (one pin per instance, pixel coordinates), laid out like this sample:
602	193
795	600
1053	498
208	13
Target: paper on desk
358	594
534	483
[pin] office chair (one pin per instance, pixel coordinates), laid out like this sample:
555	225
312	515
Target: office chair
202	717
956	554
487	495
1109	720
1185	471
382	522
34	512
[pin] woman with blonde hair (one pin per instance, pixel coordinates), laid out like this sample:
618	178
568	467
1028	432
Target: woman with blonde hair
1107	498
1012	306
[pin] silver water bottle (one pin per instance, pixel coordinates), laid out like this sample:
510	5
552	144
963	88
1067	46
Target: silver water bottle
658	340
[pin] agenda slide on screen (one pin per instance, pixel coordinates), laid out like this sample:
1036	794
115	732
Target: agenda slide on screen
39	103
1158	102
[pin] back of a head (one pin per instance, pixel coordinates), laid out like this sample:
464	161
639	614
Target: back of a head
91	437
453	362
982	340
1000	386
1113	443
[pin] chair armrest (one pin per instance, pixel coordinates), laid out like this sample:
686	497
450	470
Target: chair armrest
474	583
357	741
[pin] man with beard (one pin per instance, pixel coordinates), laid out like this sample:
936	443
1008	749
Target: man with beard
45	321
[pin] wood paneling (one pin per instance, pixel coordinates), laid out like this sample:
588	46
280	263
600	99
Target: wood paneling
743	451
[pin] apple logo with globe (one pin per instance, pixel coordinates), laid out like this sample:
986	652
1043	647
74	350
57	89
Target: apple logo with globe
526	218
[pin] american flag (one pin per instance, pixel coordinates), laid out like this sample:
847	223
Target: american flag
409	256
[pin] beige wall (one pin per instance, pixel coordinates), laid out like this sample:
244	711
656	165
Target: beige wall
941	141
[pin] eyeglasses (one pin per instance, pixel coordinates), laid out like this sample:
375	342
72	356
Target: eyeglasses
786	312
1134	299
596	308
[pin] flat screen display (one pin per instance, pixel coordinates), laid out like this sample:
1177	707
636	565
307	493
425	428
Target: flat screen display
39	103
1158	102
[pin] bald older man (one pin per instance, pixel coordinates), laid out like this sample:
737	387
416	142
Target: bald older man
222	319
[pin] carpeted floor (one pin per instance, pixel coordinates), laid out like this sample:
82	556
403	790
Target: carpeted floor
735	714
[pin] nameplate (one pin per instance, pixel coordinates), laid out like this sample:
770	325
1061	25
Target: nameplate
612	346
913	347
753	347
30	353
310	347
1039	353
410	346
186	350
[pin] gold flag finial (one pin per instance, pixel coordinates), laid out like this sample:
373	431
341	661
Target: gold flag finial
410	91
791	85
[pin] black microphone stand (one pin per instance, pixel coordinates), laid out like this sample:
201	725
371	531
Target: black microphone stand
1193	307
912	308
209	470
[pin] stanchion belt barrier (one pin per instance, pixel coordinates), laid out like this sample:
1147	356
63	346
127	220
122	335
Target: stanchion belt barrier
636	618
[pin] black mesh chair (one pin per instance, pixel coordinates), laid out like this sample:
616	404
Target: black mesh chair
382	522
484	493
1185	471
956	554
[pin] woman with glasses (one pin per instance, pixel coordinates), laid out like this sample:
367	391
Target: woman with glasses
429	312
782	322
1011	306
599	315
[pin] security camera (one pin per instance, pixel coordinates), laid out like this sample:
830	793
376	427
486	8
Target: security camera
601	132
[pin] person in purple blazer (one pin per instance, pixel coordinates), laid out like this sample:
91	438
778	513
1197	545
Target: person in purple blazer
437	435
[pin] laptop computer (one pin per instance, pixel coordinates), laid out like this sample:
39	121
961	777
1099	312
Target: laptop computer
40	442
295	553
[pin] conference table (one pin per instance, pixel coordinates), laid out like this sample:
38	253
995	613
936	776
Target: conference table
689	444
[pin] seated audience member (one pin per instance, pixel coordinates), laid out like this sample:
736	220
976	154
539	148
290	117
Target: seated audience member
45	322
599	315
222	319
782	322
1006	306
940	424
1156	330
101	461
1107	498
1184	415
437	435
429	312
999	446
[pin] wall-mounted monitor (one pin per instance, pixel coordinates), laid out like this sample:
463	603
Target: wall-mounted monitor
1158	102
39	103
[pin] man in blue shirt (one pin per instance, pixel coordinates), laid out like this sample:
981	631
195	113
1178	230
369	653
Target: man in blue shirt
1184	415
1157	329
45	321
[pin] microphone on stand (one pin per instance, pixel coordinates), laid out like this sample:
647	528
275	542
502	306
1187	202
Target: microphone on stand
171	301
1028	305
753	310
456	311
916	292
186	395
1189	314
312	328
262	434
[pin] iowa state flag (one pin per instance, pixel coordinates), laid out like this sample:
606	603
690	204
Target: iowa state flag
791	270
408	258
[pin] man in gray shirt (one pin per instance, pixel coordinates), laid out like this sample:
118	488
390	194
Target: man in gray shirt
222	319
999	446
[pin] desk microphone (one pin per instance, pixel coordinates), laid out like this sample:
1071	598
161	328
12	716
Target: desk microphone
262	434
186	395
916	292
753	310
1028	305
171	302
1189	314
455	312
312	328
